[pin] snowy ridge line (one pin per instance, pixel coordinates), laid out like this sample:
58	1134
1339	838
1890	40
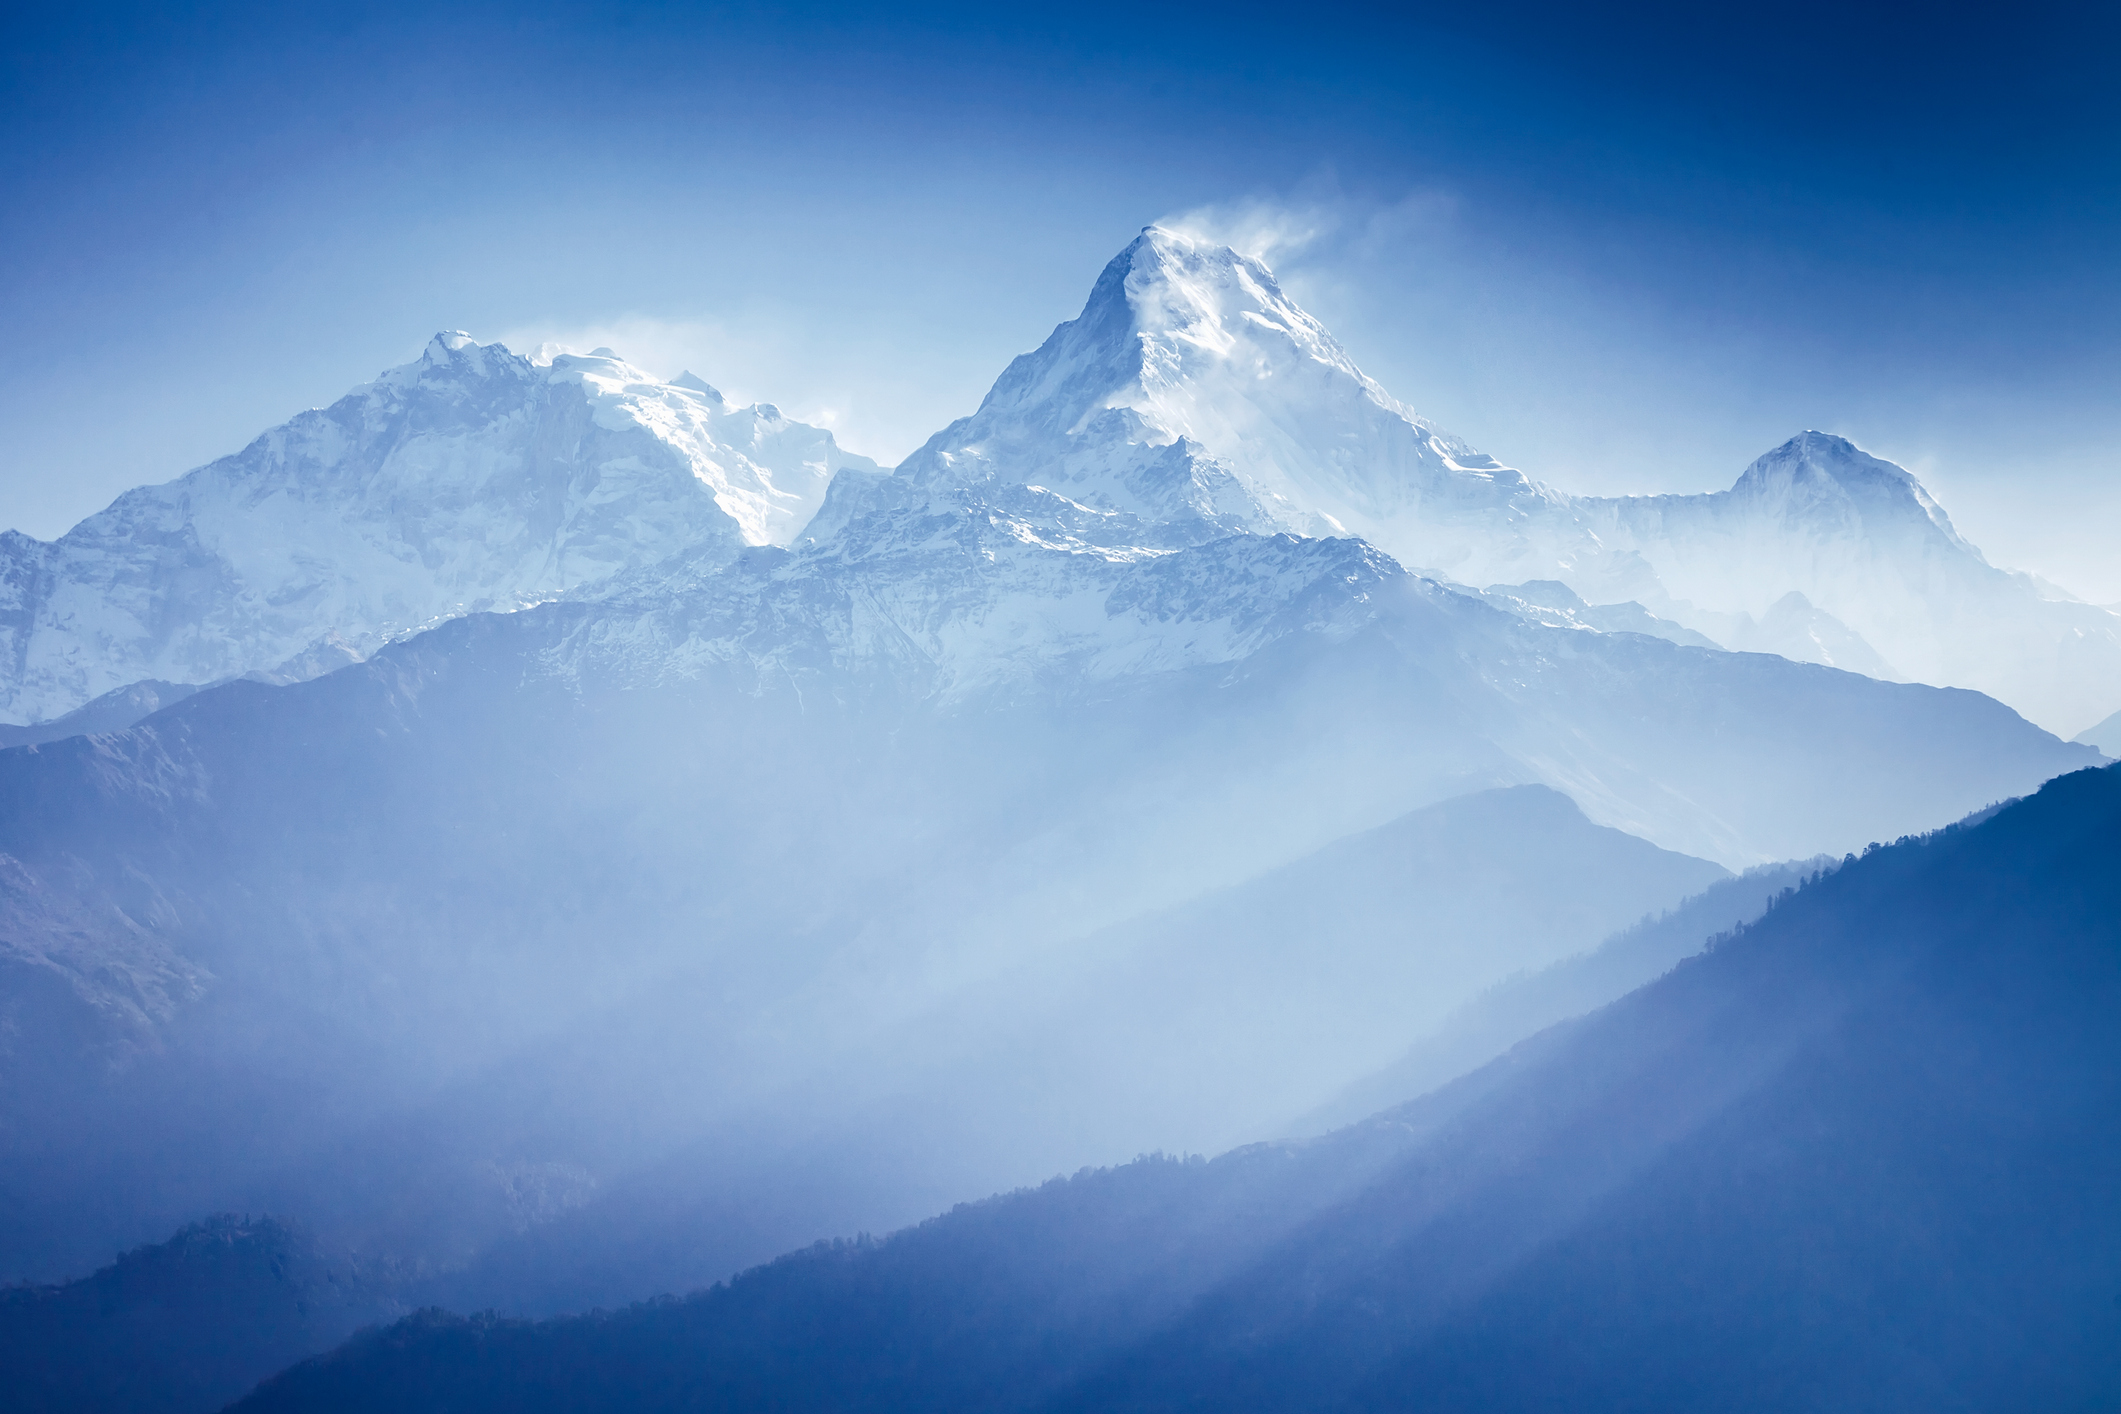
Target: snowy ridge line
1192	398
468	480
1190	402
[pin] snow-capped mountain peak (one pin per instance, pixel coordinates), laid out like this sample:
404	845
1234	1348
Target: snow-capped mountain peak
1818	476
452	359
1168	315
1193	398
1193	394
468	479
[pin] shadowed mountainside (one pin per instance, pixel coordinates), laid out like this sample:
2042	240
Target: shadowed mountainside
185	1325
1532	1000
1860	1155
1194	1027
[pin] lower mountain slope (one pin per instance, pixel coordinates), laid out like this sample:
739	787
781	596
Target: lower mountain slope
1221	1019
1860	1155
1196	1026
1529	1001
573	890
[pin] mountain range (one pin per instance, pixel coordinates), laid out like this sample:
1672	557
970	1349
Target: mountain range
584	838
1190	399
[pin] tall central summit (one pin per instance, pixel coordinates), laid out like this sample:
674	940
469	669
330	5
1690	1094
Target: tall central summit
1193	399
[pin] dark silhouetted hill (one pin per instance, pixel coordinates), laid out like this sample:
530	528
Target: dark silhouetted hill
187	1324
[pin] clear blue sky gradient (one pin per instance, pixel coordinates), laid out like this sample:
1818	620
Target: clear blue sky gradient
1628	249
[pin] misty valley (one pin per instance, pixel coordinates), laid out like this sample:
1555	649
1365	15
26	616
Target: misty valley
539	887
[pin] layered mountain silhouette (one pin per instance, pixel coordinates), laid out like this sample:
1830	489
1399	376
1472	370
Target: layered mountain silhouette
1474	1032
727	878
1213	1022
1858	1155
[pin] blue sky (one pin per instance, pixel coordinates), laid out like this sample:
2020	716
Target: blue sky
1626	248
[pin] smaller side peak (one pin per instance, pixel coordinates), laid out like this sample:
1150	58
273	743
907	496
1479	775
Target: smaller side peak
448	342
1824	467
600	357
1824	454
452	356
599	363
694	383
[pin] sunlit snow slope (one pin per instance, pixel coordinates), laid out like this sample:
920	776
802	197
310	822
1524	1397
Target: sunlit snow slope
469	479
1193	392
1191	388
1191	399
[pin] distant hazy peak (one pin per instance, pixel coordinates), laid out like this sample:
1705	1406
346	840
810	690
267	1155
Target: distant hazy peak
2106	736
1815	469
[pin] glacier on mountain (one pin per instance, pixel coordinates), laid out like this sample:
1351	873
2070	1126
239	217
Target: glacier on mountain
471	479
